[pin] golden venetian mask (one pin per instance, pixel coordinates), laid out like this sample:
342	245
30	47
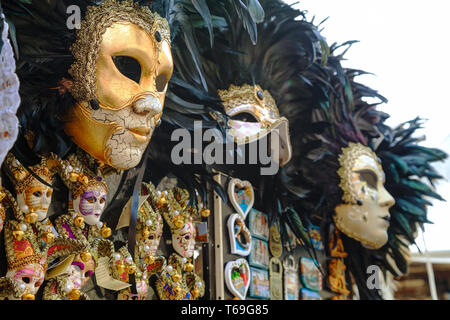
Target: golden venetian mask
123	63
242	103
364	215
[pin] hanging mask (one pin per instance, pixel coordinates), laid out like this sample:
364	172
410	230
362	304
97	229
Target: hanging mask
123	63
184	240
89	201
27	264
251	103
33	196
81	270
364	215
180	218
149	223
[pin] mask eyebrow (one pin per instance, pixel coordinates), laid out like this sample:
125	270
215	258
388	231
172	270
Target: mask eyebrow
79	264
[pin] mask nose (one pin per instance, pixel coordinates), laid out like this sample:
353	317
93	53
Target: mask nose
385	199
147	106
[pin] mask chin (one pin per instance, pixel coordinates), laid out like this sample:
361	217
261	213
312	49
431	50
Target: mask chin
357	223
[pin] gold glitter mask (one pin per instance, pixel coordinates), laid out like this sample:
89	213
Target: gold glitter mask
245	102
364	215
123	63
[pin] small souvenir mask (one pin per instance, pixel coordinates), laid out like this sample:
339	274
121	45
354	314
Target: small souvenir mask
184	240
260	105
26	263
91	202
180	220
33	197
364	215
121	70
81	270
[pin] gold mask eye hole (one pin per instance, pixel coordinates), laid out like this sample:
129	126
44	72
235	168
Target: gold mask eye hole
129	67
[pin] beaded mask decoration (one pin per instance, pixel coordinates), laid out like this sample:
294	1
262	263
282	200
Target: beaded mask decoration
33	197
27	261
180	220
178	280
118	108
238	100
149	223
364	214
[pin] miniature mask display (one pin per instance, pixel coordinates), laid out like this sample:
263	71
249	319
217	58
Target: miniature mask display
118	108
33	196
240	237
237	277
259	255
276	279
259	224
177	280
27	263
259	284
310	274
364	214
241	196
259	104
291	281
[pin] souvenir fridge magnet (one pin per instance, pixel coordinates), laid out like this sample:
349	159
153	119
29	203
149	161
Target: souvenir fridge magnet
240	237
316	239
276	279
259	255
237	277
309	295
291	282
259	284
276	249
241	196
311	276
259	224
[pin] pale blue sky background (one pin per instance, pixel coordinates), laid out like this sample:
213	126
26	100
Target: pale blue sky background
407	46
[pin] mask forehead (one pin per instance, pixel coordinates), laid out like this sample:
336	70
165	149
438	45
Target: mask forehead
354	158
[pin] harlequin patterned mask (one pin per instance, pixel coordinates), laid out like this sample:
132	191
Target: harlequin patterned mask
364	215
122	66
257	104
90	203
33	197
26	263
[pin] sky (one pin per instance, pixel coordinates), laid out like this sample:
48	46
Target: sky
405	45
